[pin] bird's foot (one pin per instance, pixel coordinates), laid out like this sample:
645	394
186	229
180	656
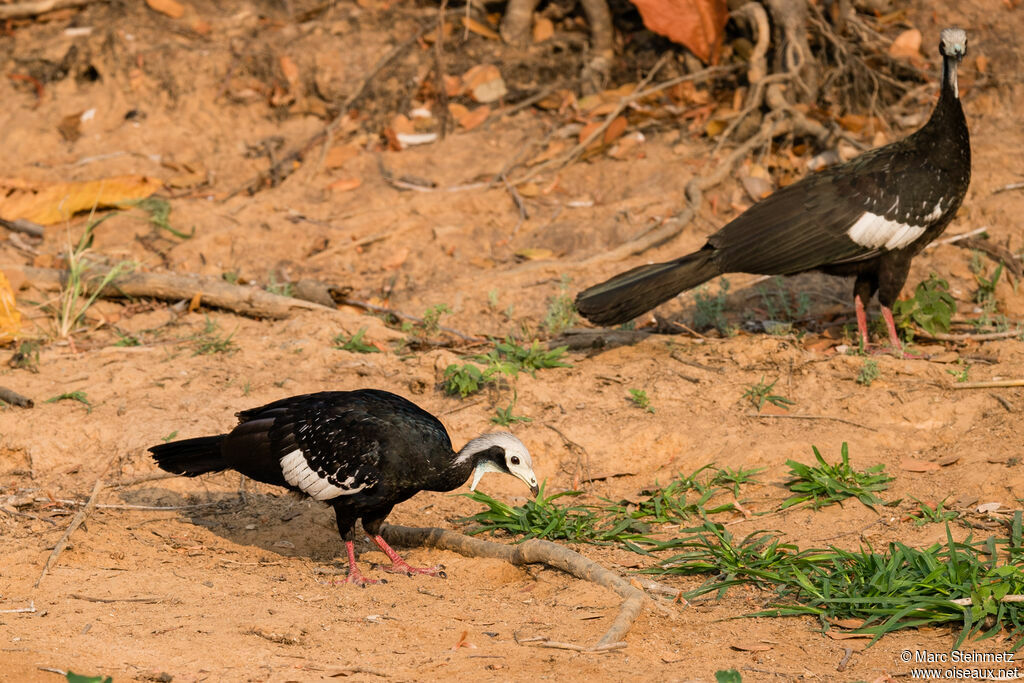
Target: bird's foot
400	566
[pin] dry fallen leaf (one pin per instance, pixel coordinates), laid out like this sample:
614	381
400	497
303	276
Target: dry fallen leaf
911	465
846	623
10	317
484	83
543	29
476	27
535	254
981	61
290	70
396	259
473	117
344	184
750	647
171	8
699	25
59	201
337	156
907	44
989	507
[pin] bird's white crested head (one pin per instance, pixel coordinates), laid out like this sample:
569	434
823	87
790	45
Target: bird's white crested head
499	452
953	43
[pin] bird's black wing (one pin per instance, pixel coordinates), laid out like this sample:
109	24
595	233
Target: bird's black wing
808	224
325	445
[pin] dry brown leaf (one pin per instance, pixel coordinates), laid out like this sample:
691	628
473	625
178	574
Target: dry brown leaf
337	156
550	152
911	465
846	623
171	8
484	83
543	29
699	25
981	61
60	201
750	647
10	317
290	70
949	460
907	44
70	127
529	190
473	118
476	27
615	129
839	635
535	254
344	184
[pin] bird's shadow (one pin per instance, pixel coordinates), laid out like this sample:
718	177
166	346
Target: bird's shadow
280	523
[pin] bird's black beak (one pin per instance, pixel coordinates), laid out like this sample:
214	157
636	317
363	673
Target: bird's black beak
534	490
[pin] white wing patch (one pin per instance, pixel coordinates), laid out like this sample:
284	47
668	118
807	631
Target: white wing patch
299	474
873	231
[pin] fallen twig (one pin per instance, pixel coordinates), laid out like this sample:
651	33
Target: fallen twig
22	225
75	523
812	417
968	336
530	552
124	506
995	252
21	610
149	599
990	384
14	398
1007	188
1005	598
21	10
956	238
247	300
1002	401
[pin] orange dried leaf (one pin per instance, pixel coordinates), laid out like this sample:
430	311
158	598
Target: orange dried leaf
58	202
543	29
396	259
699	25
289	69
344	184
337	156
615	129
535	254
911	465
171	8
10	317
476	27
981	61
473	118
751	647
907	44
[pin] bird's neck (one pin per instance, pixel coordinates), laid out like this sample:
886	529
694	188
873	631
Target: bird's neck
948	115
950	86
453	476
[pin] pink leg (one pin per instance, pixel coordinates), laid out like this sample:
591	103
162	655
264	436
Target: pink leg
862	320
400	566
354	575
893	336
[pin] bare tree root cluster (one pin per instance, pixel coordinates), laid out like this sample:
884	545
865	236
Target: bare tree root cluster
535	551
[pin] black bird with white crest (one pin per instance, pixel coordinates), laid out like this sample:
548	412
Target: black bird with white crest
361	452
866	218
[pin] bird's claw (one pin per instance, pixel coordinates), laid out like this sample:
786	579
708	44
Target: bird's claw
403	567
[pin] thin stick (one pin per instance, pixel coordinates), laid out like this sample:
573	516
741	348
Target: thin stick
120	506
144	599
529	552
1005	598
141	480
812	417
21	610
1002	401
22	225
957	238
1007	188
991	384
22	10
75	523
976	336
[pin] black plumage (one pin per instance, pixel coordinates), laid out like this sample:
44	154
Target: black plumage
362	452
867	218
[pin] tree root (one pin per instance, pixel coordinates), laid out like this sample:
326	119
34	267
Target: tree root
531	552
516	25
250	301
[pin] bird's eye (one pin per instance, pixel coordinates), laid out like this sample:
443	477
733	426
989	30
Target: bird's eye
514	460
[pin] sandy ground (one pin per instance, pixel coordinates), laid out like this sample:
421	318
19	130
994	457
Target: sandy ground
219	588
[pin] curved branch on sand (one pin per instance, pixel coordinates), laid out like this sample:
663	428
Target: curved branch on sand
531	552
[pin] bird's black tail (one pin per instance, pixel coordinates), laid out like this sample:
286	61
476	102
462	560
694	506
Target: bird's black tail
636	291
190	457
